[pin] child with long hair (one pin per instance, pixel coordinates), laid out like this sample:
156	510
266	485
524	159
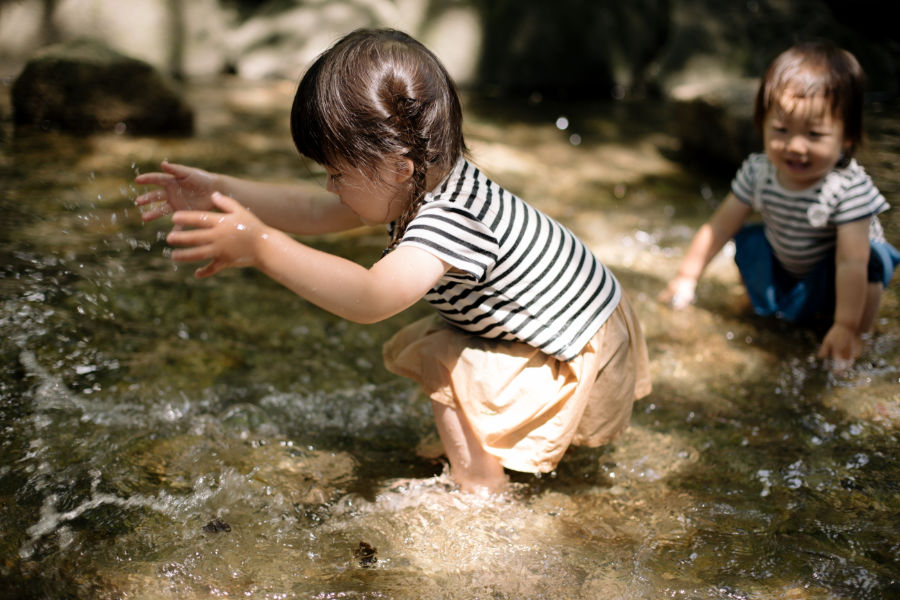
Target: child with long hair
820	254
536	347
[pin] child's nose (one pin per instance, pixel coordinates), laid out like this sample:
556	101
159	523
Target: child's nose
797	144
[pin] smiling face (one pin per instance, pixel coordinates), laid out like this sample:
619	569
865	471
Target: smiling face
377	199
803	138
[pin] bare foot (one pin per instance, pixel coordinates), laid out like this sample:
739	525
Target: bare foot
487	486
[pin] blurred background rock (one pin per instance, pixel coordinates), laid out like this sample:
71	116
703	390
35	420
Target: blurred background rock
704	55
568	47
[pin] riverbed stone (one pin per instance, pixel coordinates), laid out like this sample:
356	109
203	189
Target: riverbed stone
84	86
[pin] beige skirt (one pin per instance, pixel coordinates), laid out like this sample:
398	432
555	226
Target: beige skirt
525	406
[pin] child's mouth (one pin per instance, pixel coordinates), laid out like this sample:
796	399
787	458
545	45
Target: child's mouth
795	165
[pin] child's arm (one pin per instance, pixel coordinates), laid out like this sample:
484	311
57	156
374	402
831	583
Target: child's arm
707	242
236	238
842	342
287	207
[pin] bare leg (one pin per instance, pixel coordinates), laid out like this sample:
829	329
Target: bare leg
470	466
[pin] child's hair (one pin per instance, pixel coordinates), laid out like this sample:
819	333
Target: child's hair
374	94
817	68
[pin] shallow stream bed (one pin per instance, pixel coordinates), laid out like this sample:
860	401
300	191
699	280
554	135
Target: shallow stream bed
167	437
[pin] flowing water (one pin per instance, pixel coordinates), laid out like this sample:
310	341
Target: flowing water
166	437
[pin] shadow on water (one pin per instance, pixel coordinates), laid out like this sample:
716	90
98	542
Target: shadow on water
166	437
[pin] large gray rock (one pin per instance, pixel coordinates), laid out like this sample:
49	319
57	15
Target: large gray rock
84	86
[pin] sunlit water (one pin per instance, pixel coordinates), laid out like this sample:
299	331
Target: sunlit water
165	437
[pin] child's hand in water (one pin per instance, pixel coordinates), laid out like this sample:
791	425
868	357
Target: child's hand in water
183	188
679	293
227	238
841	345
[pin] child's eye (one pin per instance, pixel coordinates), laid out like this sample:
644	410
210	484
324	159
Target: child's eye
779	129
816	134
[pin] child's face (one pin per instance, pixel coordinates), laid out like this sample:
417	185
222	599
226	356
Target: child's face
803	139
379	199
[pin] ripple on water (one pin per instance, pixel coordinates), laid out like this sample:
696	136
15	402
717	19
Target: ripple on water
141	406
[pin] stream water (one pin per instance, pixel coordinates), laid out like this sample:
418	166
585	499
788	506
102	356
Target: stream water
166	437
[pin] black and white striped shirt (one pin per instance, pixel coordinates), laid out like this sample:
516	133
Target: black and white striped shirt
802	225
516	273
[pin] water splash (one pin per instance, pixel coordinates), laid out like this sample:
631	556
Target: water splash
51	520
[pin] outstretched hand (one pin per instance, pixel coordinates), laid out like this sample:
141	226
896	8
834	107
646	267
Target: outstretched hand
227	238
183	188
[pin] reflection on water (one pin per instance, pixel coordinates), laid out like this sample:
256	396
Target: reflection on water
165	437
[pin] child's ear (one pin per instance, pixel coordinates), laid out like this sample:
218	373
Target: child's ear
404	170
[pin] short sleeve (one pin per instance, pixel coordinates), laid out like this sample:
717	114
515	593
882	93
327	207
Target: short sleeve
856	196
743	186
451	233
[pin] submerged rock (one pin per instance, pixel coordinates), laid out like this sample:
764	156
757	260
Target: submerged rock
84	86
217	525
366	555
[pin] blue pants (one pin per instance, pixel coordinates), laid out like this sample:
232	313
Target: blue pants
775	292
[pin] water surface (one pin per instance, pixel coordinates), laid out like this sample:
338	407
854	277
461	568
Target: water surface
166	437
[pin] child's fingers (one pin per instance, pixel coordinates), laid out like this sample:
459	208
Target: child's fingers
680	301
209	269
144	199
190	237
151	197
197	218
841	351
829	347
176	169
153	178
156	212
678	294
225	203
844	353
193	254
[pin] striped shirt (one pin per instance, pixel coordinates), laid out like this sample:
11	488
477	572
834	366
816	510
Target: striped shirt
516	273
802	225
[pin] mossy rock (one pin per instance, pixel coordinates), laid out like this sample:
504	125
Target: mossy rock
84	86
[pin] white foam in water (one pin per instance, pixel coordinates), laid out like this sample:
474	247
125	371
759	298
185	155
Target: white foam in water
428	527
51	520
52	393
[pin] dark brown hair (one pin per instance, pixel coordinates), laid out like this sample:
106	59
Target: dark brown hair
817	68
374	94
